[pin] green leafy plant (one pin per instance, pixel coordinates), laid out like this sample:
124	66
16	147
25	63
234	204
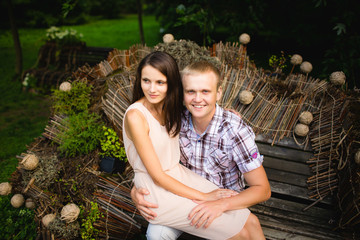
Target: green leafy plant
87	230
277	62
74	101
16	223
82	135
110	145
63	36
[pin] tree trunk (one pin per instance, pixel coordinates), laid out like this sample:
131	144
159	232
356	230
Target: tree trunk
139	8
15	35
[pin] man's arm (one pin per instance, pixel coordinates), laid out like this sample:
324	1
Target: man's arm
258	191
137	196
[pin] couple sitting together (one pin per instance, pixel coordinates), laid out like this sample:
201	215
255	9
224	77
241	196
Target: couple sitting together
191	164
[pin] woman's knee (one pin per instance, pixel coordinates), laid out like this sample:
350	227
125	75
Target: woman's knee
252	222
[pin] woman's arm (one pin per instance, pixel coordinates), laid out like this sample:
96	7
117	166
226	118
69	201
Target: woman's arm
137	130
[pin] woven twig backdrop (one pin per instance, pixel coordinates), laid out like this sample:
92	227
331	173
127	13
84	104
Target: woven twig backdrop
272	113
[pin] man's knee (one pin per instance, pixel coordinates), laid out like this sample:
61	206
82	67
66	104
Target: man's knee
252	222
242	235
159	232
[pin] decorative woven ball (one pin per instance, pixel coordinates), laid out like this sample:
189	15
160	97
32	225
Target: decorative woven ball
17	200
306	67
29	203
306	117
245	97
30	162
5	188
70	212
296	59
47	219
168	38
301	130
357	157
244	38
65	86
337	78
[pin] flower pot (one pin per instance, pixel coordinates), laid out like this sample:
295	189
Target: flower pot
111	165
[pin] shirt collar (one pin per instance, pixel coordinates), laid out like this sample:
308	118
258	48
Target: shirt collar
213	126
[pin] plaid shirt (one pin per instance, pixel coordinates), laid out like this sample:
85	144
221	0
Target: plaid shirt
223	152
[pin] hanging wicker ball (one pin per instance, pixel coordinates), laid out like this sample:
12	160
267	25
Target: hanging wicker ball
65	86
306	67
357	157
5	188
306	117
168	38
301	130
70	212
17	200
337	78
47	219
244	38
245	97
296	59
30	162
29	203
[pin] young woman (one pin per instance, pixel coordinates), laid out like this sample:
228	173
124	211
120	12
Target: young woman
151	127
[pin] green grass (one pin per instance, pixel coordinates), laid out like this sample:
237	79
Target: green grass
23	115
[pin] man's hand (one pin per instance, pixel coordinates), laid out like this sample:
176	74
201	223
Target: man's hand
137	195
205	213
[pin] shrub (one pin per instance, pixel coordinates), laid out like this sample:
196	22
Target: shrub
16	223
82	135
74	101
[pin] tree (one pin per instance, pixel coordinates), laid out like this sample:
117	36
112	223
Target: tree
139	12
15	35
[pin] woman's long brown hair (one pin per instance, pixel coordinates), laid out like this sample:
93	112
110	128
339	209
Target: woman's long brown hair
173	102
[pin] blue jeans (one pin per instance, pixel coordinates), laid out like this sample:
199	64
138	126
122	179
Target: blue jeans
160	232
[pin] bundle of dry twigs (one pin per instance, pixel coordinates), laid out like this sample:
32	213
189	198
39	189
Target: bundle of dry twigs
119	212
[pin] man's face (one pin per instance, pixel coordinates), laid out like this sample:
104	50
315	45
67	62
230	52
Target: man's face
201	94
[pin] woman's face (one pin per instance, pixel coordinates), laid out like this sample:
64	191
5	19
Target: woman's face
153	84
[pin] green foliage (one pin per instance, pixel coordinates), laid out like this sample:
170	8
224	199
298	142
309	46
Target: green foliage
87	230
278	62
197	15
74	101
16	223
110	145
83	134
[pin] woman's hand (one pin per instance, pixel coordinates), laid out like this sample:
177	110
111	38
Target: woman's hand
219	194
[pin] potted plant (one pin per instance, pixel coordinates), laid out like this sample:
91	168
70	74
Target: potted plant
113	156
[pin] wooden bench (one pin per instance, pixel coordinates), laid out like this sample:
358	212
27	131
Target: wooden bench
289	213
54	64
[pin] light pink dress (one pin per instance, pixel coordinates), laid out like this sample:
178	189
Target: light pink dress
173	210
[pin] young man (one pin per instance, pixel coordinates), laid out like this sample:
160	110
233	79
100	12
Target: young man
219	146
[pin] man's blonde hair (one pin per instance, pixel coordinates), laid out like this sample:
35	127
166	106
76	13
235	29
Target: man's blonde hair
202	67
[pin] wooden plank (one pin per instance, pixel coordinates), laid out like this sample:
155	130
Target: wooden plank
317	211
284	153
274	234
299	217
287	166
309	231
293	191
285	142
286	177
